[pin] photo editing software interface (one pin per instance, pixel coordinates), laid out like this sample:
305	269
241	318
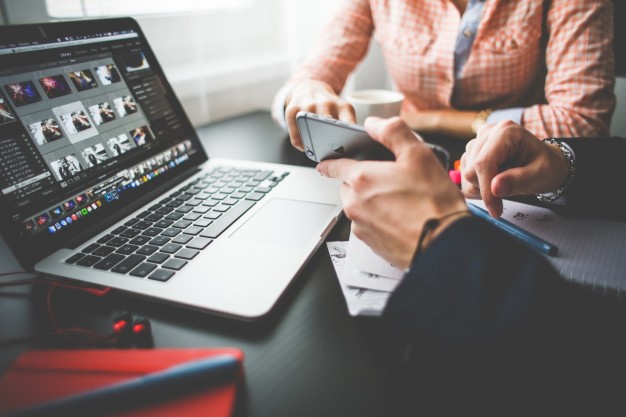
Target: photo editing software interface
81	120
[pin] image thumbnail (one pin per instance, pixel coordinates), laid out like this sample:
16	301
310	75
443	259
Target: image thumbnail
55	86
23	93
83	80
66	167
135	62
125	105
120	144
75	122
94	155
108	74
102	113
141	135
5	113
46	131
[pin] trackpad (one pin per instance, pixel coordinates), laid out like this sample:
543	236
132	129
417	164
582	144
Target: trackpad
286	223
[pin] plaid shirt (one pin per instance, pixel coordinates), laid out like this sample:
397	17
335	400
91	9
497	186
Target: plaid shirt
506	66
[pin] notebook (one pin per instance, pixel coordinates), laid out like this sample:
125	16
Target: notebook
39	376
104	181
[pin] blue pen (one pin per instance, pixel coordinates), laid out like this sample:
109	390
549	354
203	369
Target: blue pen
149	389
516	231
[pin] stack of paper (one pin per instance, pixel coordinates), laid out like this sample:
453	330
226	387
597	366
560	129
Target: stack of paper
366	279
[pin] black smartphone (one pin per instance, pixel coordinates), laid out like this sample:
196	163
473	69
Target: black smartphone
327	138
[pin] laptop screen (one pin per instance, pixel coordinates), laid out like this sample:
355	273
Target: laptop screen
88	123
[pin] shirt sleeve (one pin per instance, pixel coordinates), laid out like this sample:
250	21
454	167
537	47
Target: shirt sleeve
580	72
514	114
342	45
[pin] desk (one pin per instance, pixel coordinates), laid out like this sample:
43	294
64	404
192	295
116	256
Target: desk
308	358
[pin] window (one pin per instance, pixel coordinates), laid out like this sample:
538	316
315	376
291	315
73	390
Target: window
97	8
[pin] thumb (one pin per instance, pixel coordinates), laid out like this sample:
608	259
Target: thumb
514	181
393	133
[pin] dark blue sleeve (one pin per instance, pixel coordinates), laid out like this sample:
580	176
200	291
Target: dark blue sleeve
599	180
482	320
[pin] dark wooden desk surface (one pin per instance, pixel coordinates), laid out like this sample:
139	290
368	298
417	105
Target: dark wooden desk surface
308	358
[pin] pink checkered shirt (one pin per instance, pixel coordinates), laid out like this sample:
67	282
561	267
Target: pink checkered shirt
506	66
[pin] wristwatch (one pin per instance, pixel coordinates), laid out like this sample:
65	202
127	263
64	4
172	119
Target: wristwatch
571	170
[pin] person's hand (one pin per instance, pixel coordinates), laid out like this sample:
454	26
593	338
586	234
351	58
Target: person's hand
507	160
389	202
315	97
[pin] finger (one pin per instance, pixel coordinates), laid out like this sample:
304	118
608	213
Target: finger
470	190
328	109
292	127
346	113
337	168
393	133
517	181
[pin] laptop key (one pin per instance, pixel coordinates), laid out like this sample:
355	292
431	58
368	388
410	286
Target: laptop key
130	233
187	254
199	243
193	230
161	275
118	230
143	214
109	262
103	251
171	232
88	260
228	218
105	238
160	240
142	225
131	222
163	224
154	217
128	264
74	258
158	258
143	270
147	250
90	248
117	241
170	248
255	196
140	240
184	209
151	231
175	264
174	216
203	223
182	224
193	216
182	239
212	215
127	249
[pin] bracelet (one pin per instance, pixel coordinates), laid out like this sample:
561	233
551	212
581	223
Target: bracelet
432	224
571	170
480	120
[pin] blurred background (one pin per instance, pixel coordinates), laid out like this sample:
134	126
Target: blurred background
229	57
223	57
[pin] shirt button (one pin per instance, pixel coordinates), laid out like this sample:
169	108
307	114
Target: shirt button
468	33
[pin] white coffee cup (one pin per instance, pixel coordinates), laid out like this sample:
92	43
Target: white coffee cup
379	103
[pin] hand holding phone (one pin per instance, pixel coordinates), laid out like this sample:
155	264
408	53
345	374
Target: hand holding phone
327	138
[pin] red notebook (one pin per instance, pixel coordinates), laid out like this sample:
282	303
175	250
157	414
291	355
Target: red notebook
43	375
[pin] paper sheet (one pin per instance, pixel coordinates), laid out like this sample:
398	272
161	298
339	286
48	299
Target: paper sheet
360	301
590	251
364	269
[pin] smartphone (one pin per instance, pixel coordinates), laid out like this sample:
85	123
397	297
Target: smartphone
327	138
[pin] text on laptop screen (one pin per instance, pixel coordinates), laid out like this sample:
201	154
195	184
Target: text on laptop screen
83	120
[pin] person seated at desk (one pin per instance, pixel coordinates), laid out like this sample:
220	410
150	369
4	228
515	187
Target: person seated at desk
482	324
455	60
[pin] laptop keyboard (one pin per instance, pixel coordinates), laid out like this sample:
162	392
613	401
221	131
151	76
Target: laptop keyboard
161	240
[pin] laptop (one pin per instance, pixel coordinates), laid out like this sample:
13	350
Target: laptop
104	181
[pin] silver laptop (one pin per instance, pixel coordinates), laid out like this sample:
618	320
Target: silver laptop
103	179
